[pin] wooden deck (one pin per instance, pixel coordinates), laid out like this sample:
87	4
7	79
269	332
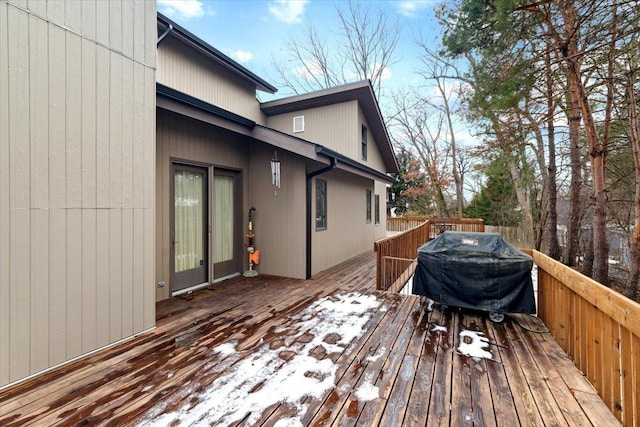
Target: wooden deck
404	367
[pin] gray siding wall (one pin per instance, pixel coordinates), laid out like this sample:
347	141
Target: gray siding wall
184	69
374	159
333	126
280	225
77	156
348	233
380	230
337	127
187	140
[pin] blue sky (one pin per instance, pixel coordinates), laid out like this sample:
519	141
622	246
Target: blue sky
254	31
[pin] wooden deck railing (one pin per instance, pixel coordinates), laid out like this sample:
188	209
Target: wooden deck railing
598	328
406	244
404	224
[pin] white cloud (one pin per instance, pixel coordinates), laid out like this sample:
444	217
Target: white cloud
386	72
288	11
184	9
241	56
411	7
311	69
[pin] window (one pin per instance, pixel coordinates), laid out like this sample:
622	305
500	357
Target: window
364	142
298	124
377	209
321	204
368	206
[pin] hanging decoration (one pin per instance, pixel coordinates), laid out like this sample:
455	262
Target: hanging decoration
275	172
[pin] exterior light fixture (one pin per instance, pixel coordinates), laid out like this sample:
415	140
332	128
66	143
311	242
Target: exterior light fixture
275	171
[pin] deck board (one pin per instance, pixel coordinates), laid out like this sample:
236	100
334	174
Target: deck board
406	351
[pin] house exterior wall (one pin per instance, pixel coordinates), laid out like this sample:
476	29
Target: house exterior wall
186	70
380	230
337	127
374	158
280	225
77	155
348	233
189	141
333	126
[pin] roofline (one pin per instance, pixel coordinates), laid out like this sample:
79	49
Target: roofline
362	91
293	144
291	103
202	105
342	159
216	55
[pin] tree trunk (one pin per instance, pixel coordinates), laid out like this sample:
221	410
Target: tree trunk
597	157
587	262
552	191
523	200
575	204
454	153
633	282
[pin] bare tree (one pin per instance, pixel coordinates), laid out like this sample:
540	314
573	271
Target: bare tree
438	72
564	23
552	190
366	46
633	283
419	127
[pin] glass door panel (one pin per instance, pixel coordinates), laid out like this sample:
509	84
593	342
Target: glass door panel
226	230
189	231
223	221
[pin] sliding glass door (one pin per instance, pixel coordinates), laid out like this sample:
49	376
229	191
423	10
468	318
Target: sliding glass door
227	227
190	231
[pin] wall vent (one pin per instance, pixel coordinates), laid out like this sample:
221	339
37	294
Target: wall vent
298	124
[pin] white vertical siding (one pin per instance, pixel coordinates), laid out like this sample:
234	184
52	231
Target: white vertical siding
77	158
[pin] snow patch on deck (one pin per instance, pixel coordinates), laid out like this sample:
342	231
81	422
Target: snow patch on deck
244	388
367	392
473	344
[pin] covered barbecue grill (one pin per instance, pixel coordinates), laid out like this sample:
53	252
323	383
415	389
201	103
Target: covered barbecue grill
479	271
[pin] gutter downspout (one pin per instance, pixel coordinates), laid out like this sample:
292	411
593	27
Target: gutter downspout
165	34
333	165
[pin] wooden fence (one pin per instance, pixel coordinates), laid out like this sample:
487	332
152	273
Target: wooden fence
599	329
405	245
404	224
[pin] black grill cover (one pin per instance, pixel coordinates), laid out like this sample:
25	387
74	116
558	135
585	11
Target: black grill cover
479	271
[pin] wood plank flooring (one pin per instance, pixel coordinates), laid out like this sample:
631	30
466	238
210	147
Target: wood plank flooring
405	367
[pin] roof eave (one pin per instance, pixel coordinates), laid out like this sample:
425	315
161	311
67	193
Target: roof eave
361	91
216	55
